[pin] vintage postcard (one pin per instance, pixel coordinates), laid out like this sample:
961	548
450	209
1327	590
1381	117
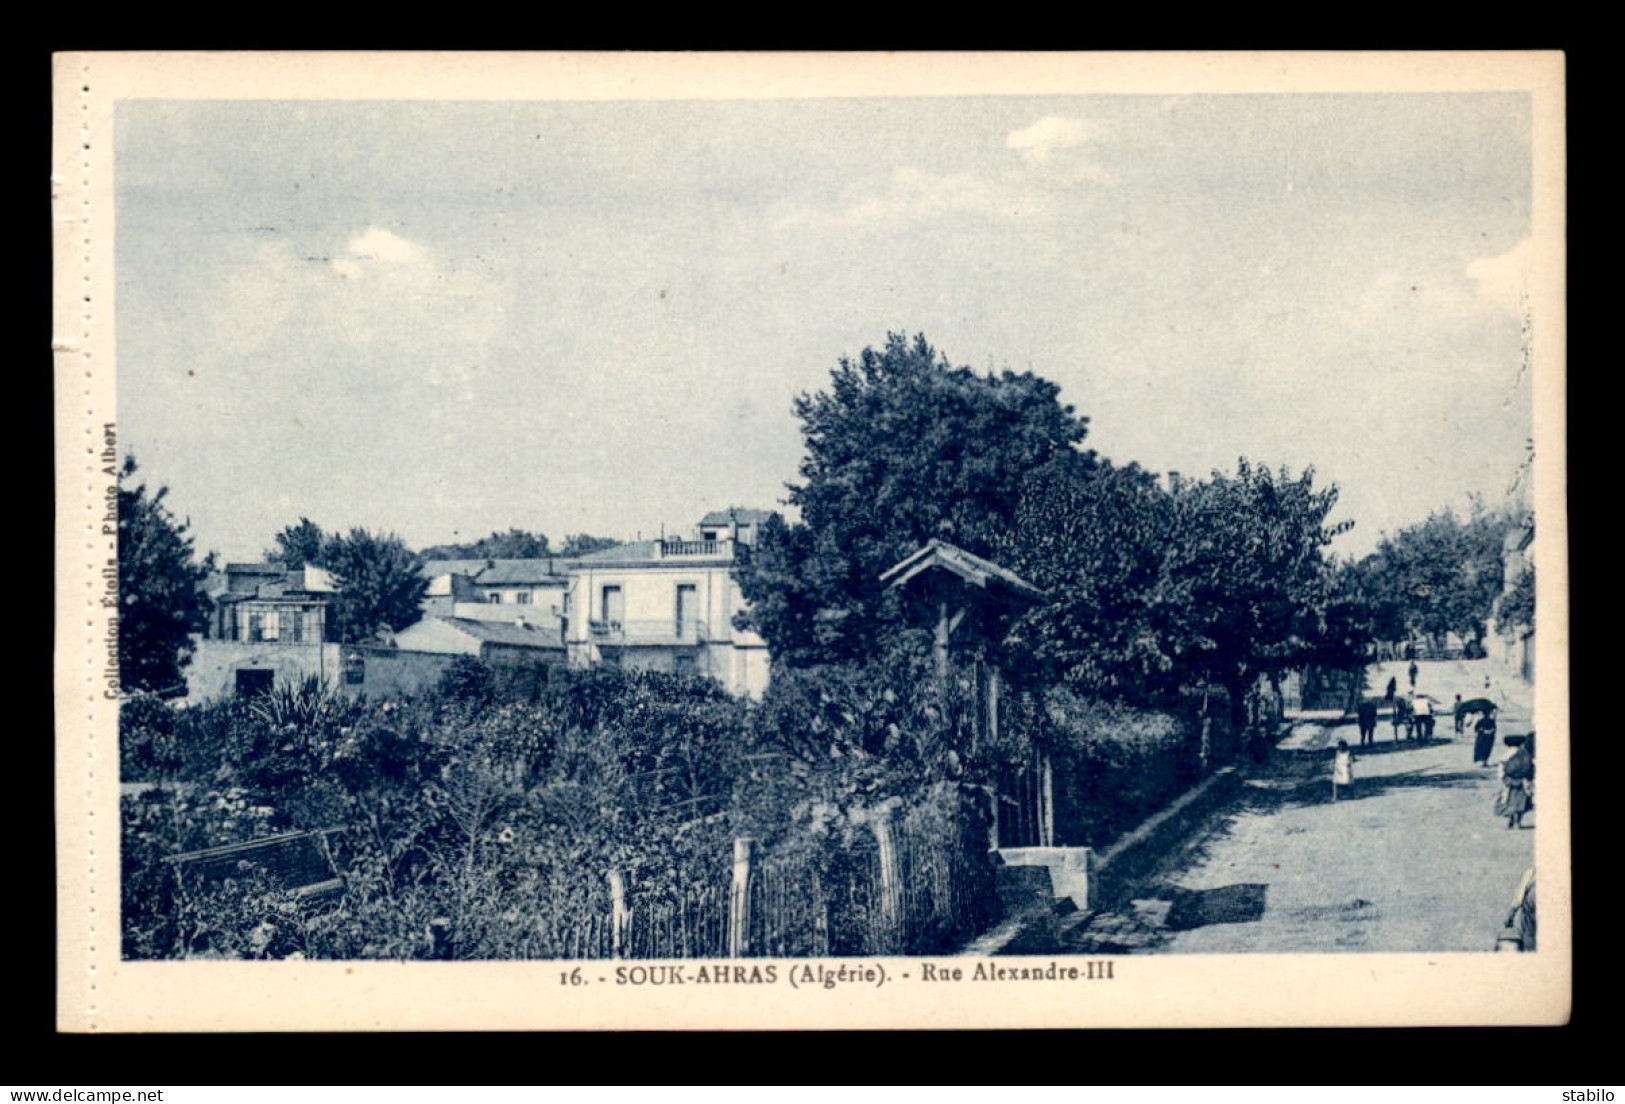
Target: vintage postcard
686	541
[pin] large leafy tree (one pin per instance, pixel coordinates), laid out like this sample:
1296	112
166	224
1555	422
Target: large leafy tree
1247	579
1096	542
161	603
378	585
1440	576
902	447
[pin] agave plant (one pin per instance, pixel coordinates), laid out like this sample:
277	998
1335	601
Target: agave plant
309	704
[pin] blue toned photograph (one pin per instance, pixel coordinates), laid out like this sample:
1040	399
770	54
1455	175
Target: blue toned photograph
709	532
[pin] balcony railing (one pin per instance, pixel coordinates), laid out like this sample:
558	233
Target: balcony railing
673	548
667	631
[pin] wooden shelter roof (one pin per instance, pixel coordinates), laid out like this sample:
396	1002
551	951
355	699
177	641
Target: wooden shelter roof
971	569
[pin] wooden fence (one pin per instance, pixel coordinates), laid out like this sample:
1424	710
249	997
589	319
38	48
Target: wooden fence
899	888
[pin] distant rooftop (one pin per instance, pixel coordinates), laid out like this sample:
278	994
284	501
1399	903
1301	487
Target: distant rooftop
512	572
745	516
538	570
623	553
270	580
506	632
433	569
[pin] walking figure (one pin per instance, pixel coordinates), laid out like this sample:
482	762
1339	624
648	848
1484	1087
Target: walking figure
1517	794
1402	717
1393	688
1342	767
1366	716
1461	717
1412	672
1484	739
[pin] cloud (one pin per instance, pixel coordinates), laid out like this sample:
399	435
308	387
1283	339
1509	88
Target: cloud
1503	281
914	193
375	248
1040	142
377	292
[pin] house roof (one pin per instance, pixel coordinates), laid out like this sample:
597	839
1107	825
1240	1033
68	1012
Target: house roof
622	553
505	632
543	569
433	569
255	569
745	515
510	572
270	581
971	568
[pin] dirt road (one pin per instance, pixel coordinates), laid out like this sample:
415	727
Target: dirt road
1410	859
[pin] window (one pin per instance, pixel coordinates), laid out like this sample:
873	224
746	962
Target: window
355	670
256	627
612	604
522	597
685	609
494	598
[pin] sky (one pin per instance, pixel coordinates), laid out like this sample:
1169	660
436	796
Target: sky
441	319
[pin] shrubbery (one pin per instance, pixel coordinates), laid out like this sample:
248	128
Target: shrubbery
479	822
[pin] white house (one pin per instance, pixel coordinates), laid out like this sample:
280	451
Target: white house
669	605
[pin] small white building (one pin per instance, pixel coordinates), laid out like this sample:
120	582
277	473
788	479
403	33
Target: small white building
499	642
529	590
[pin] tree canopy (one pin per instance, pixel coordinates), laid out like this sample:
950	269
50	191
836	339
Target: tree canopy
1248	574
298	545
579	544
161	602
379	585
1437	577
902	447
515	544
1096	542
1220	580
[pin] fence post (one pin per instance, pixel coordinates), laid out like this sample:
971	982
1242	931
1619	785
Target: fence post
618	914
891	885
739	899
1046	826
993	822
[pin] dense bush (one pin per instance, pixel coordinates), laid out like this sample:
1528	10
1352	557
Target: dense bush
1117	762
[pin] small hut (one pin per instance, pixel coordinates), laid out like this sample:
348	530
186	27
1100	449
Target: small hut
971	603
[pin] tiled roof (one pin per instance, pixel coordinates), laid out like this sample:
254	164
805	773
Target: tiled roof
621	553
509	572
506	632
266	581
542	569
745	515
433	569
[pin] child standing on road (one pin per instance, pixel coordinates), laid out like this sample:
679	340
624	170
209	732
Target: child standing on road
1342	767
